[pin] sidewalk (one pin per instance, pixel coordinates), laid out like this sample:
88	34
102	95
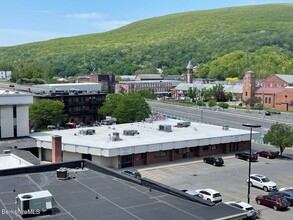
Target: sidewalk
181	162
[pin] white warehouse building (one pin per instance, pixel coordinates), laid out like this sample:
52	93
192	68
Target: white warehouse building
14	114
140	143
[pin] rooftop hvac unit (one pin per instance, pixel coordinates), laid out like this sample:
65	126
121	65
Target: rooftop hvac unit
225	127
82	132
62	174
90	131
115	136
34	203
6	151
167	128
183	124
130	132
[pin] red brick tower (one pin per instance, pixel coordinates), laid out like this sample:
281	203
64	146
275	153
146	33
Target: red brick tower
248	85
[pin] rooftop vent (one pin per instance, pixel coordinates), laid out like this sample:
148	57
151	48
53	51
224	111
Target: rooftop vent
130	132
225	127
115	136
183	124
167	128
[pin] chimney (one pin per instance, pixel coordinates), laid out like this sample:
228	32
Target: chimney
56	149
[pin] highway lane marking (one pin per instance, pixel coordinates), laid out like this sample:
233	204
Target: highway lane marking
229	113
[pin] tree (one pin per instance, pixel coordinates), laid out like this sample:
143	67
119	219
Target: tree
192	93
280	135
251	102
218	93
132	107
47	112
110	104
147	93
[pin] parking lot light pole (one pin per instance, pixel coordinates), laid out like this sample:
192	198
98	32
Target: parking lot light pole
249	163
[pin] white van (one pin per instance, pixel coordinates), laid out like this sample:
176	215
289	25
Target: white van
51	127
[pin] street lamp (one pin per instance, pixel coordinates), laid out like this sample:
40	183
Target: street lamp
249	166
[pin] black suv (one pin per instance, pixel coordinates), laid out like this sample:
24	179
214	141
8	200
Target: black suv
246	156
214	161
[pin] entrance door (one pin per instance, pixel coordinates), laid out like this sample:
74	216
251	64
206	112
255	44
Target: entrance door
126	161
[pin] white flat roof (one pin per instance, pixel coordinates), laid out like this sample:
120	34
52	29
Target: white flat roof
149	139
8	161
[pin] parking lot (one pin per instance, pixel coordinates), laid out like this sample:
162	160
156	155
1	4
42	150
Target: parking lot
229	180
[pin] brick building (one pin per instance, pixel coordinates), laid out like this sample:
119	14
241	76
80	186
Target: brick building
162	87
107	81
276	91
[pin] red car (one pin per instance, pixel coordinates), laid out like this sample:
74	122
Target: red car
275	201
268	154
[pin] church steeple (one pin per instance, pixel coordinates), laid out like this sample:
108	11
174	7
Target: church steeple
189	73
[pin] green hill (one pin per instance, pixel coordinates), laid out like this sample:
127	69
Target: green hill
225	42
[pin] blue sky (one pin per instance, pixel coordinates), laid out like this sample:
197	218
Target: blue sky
24	21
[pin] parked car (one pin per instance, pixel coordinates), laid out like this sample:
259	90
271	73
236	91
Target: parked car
132	172
268	154
244	206
267	113
274	201
286	194
210	195
262	182
216	161
290	188
193	193
273	111
246	156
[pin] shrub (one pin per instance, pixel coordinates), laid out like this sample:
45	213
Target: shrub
212	103
223	104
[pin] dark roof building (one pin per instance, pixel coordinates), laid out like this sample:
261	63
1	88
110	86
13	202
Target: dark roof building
94	192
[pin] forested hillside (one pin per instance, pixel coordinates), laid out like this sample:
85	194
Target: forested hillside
223	42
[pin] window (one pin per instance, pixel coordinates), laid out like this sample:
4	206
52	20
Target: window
270	100
160	154
209	147
205	148
139	157
266	99
178	151
14	111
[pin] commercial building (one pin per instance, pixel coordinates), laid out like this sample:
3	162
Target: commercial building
14	114
81	100
107	81
5	75
140	143
160	87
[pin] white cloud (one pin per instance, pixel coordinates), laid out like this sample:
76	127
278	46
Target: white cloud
10	37
92	15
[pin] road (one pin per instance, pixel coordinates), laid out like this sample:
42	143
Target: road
232	117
